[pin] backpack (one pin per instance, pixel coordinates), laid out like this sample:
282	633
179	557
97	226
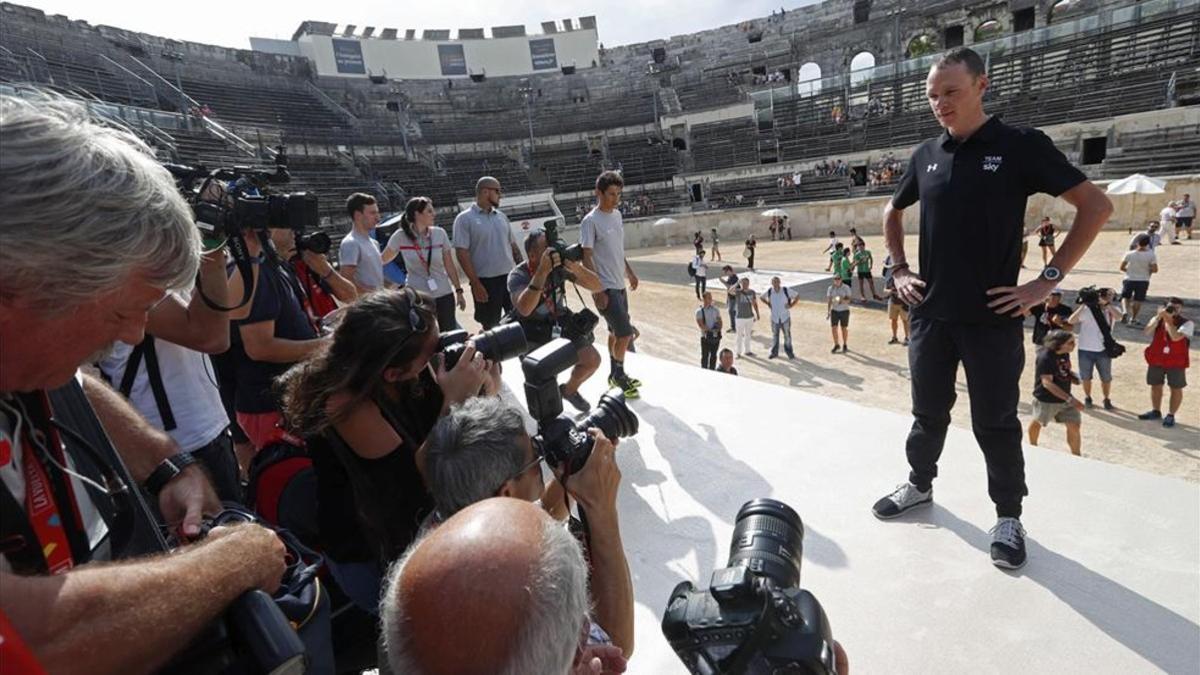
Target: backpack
691	269
282	488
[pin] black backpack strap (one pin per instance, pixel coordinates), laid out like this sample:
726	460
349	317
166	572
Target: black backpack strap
145	349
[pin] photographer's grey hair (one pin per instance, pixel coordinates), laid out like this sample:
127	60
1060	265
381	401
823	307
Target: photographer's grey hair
83	190
558	603
472	451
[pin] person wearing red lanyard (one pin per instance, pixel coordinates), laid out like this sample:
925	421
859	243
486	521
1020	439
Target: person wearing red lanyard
426	251
108	272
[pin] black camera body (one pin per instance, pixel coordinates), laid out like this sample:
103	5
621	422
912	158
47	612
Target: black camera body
498	344
573	252
753	618
579	327
318	242
565	442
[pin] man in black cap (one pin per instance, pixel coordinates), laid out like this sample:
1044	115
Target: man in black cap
973	182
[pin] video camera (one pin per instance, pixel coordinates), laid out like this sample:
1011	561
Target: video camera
1088	295
753	617
565	442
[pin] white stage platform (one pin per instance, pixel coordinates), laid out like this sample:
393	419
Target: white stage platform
1113	579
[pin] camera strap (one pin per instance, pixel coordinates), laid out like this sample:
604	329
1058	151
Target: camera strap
145	349
1102	323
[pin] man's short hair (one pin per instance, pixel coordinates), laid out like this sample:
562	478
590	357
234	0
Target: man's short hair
357	202
964	55
485	182
1143	240
472	451
1174	300
531	240
558	605
84	204
608	179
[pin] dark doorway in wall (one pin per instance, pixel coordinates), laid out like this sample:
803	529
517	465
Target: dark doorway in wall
697	193
862	11
679	143
1024	19
858	174
953	36
1094	150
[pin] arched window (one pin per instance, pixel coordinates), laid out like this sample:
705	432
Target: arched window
1058	9
988	30
808	79
862	61
922	45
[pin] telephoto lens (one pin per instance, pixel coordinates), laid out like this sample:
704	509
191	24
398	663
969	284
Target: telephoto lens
498	344
768	538
567	446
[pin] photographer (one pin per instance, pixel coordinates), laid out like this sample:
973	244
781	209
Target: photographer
480	450
95	234
540	306
708	320
319	280
517	594
1167	358
1095	306
364	404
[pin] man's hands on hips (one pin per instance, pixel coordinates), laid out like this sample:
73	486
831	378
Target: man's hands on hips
262	555
596	484
186	499
1016	300
909	286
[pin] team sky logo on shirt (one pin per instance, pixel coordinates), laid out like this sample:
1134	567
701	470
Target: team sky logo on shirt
992	163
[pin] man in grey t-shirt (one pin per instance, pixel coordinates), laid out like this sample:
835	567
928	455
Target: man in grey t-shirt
708	319
602	235
358	255
486	250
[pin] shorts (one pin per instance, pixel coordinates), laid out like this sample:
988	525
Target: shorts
1046	241
616	313
1182	223
864	275
1134	289
841	318
1176	378
1045	412
896	309
1102	362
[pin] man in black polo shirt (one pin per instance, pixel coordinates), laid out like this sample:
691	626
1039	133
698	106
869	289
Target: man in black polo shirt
973	182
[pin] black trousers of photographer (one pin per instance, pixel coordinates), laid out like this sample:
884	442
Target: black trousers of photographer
701	286
709	346
993	357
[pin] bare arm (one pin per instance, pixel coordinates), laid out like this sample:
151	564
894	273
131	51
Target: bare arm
909	286
1073	320
1048	384
343	289
196	325
632	276
132	617
261	344
351	272
584	276
451	270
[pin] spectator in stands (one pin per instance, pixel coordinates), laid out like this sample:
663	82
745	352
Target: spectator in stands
751	244
359	253
364	405
531	616
700	273
541	308
732	284
716	245
1052	399
94	235
746	302
953	320
708	320
487	250
726	362
1166	222
425	249
1151	232
1092	353
780	300
1185	215
1167	359
1049	316
1046	234
480	449
796	181
837	312
1138	265
602	235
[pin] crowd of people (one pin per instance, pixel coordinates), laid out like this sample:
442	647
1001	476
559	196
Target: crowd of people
884	172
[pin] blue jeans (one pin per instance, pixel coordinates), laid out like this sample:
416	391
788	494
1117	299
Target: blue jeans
786	328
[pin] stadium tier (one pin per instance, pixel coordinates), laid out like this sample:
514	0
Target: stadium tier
709	108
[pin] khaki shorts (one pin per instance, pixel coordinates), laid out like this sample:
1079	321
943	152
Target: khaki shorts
897	309
1061	412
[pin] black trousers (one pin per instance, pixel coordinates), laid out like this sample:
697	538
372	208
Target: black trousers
701	285
446	311
993	358
218	457
708	352
499	303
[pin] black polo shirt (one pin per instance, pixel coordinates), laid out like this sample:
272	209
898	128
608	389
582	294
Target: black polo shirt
973	197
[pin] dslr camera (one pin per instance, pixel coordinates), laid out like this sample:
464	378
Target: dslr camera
574	252
753	617
565	442
498	344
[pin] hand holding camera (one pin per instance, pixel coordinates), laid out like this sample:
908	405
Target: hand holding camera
595	486
263	553
465	378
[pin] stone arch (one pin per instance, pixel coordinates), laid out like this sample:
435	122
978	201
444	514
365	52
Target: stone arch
1062	8
808	79
988	29
861	61
922	44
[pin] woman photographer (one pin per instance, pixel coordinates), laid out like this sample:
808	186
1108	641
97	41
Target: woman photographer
364	405
426	252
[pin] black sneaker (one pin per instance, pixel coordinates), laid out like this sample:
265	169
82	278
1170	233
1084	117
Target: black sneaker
1152	415
1108	405
772	355
1169	421
575	399
905	497
1087	402
835	349
1008	544
894	341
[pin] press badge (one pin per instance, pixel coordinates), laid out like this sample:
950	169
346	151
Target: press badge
432	284
555	332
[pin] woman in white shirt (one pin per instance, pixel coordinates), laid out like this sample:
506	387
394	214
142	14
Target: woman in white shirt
426	252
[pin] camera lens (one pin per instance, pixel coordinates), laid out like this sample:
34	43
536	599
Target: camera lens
768	538
502	342
611	416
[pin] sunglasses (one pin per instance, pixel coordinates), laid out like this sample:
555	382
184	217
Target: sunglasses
417	323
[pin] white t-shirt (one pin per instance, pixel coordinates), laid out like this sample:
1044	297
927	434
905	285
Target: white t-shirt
1090	337
779	304
1166	216
1187	210
841	296
700	265
604	233
1137	264
12	474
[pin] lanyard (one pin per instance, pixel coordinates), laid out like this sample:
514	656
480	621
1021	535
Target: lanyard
41	503
546	297
427	259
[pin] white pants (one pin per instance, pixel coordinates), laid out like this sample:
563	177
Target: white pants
744	328
1168	231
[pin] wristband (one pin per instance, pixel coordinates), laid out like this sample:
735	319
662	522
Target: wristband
327	274
899	266
458	290
534	288
168	470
